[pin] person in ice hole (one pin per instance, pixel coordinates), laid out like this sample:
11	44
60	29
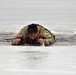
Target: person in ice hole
34	35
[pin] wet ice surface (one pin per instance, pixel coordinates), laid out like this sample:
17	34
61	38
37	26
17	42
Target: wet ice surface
21	60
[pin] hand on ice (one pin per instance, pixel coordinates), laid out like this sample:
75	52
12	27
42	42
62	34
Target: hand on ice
41	41
17	41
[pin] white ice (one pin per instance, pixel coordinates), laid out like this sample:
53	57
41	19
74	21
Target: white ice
53	60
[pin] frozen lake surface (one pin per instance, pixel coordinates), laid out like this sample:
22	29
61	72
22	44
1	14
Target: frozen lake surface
59	16
54	60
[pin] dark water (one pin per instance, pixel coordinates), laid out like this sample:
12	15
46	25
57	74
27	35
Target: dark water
6	38
61	39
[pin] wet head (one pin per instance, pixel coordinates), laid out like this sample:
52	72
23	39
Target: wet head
32	31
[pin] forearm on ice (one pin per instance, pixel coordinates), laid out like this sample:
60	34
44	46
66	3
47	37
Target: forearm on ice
48	42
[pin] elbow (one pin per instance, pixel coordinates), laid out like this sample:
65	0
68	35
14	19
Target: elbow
49	42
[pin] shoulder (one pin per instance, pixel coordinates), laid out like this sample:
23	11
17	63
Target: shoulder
40	27
25	28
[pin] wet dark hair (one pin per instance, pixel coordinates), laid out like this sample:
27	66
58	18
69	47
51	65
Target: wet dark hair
32	29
